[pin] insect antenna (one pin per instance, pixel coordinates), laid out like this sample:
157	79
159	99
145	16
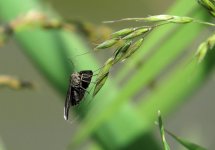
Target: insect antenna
85	53
73	64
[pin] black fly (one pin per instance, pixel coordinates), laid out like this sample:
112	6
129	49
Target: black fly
79	82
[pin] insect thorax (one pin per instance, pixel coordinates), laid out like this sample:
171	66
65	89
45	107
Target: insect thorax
75	79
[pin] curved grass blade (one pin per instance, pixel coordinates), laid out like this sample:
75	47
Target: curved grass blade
162	132
188	145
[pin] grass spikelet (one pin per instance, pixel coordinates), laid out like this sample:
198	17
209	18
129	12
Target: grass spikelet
178	19
157	18
103	75
154	18
137	33
121	51
201	52
211	42
204	47
133	48
107	44
123	32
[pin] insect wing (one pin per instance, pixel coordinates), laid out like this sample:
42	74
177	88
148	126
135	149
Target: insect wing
86	78
68	102
74	96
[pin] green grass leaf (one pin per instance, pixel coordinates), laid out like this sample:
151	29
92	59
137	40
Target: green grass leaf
162	132
185	143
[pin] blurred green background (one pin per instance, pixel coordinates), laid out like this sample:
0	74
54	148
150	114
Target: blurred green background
33	119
